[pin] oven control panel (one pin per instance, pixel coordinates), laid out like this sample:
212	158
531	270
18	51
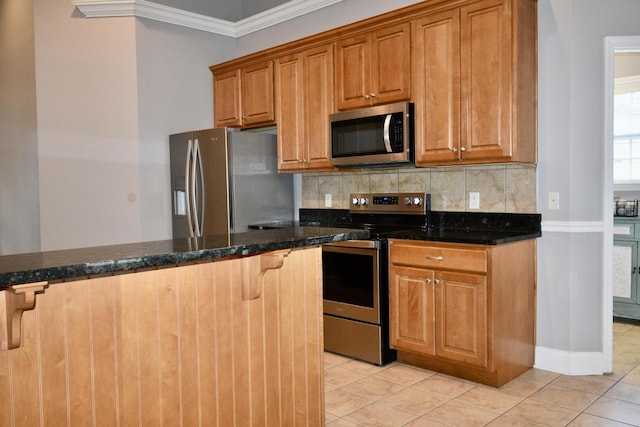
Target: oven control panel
401	203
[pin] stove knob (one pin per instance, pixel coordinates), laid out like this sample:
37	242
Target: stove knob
355	201
363	201
417	201
407	200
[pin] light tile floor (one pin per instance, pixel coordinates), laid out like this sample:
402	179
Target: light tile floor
361	394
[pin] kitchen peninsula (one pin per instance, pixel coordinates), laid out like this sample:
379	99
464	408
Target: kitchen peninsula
222	330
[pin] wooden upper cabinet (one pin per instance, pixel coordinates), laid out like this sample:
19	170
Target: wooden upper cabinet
304	99
474	77
244	97
226	99
469	67
374	68
257	94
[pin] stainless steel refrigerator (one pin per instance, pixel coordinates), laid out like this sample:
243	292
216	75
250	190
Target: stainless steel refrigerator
223	180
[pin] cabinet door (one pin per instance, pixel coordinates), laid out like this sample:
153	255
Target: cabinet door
391	64
318	104
352	72
485	71
436	87
411	310
461	317
289	112
304	100
226	99
625	269
257	94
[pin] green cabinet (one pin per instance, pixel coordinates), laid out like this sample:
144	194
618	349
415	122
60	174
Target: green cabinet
626	268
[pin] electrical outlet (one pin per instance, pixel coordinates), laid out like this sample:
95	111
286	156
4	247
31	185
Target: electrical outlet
474	200
554	200
327	200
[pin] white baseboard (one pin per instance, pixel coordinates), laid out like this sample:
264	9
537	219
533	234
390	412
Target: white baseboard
569	363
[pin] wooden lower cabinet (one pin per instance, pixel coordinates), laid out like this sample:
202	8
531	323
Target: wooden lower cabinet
176	346
464	310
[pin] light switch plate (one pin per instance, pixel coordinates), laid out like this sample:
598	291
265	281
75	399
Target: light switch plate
474	200
554	200
327	200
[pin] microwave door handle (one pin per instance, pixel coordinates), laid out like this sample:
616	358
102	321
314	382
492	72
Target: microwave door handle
387	141
187	174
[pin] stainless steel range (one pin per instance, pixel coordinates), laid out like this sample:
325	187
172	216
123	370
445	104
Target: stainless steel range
355	282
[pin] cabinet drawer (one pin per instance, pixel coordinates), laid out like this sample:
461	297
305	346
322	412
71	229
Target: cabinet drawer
624	230
438	257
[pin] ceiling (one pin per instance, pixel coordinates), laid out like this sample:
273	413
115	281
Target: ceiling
228	10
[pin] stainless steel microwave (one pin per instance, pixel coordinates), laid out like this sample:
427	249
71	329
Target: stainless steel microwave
380	135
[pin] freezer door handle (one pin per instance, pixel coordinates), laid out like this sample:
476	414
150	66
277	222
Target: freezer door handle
199	207
188	186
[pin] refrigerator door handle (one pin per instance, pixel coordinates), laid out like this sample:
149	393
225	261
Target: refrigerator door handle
187	187
199	221
195	228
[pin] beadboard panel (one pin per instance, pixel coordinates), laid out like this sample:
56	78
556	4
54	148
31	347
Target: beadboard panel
177	346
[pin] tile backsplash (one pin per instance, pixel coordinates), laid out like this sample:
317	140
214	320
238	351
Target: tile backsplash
502	187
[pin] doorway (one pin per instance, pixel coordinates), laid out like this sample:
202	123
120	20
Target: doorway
613	45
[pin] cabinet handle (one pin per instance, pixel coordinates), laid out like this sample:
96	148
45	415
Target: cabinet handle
437	281
454	149
463	149
427	281
634	271
435	258
366	96
373	95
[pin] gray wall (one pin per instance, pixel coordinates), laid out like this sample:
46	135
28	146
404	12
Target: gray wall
571	146
19	211
174	95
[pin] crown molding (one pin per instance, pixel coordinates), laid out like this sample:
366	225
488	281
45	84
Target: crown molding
284	12
170	15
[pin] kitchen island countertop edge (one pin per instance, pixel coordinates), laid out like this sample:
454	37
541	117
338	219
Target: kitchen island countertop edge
124	258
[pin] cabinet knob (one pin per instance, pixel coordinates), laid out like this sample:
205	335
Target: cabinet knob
366	96
454	149
427	281
437	281
373	95
463	149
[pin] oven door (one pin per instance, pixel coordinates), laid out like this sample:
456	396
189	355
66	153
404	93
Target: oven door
351	280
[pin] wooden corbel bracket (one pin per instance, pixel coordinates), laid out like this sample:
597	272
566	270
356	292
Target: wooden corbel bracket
13	301
254	269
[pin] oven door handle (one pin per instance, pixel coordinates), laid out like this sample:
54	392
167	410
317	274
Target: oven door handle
366	244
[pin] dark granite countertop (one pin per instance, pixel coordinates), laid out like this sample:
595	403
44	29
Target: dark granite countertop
480	228
477	237
100	260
